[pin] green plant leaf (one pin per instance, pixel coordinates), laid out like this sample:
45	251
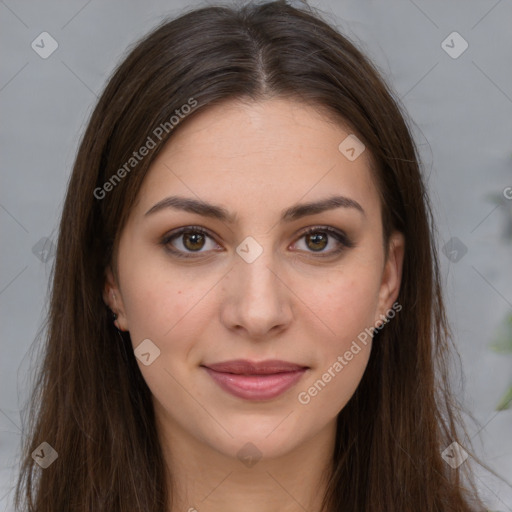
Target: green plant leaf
506	401
503	340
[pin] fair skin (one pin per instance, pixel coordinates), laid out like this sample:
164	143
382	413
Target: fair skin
298	301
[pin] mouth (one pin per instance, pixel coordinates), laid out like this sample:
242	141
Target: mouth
249	380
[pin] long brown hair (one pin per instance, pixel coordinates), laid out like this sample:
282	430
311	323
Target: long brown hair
90	402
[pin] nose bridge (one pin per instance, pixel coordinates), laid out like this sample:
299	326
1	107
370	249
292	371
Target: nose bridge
257	277
258	298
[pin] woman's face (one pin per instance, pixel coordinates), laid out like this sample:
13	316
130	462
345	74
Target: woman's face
251	284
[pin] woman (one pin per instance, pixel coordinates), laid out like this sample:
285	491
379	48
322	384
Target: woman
246	310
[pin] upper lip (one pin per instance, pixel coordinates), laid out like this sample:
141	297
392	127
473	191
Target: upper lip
245	367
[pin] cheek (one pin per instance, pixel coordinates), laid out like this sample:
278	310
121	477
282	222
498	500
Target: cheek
347	307
346	303
349	311
159	304
169	311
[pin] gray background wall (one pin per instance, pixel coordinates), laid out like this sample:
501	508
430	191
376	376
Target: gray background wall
461	108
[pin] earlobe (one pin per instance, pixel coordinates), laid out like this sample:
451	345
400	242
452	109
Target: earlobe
392	273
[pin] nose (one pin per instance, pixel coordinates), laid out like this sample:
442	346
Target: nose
257	300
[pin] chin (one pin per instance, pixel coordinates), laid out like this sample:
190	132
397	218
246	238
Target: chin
256	436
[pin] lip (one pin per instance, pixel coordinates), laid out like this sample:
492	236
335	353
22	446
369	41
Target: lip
252	380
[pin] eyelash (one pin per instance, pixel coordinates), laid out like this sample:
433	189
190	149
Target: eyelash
342	239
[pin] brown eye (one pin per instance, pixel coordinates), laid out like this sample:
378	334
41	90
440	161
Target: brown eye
324	240
193	241
317	241
188	240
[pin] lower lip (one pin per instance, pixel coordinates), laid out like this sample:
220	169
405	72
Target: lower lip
256	387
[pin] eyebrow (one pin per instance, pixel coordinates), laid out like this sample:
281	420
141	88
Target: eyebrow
220	213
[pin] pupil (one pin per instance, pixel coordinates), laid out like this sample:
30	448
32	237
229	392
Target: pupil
317	239
196	240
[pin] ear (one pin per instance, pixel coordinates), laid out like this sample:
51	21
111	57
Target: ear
391	274
113	299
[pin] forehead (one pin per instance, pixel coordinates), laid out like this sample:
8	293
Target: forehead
259	155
